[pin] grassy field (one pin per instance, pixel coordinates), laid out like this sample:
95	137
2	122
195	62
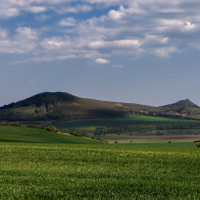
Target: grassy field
124	121
25	134
72	171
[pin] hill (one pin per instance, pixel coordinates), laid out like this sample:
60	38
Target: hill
43	99
61	106
182	103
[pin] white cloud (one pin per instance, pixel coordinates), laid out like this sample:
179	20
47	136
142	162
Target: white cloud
36	9
102	61
24	41
12	8
43	59
3	34
70	21
115	15
165	51
114	44
134	27
9	12
57	44
189	26
75	9
27	32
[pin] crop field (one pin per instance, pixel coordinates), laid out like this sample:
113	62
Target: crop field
174	140
78	171
25	134
112	122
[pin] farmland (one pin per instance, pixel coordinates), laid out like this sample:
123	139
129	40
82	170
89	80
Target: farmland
73	171
124	121
26	134
39	164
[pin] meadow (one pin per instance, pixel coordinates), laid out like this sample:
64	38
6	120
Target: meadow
78	171
26	134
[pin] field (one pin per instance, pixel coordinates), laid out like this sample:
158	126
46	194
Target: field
72	171
175	139
38	164
25	134
124	121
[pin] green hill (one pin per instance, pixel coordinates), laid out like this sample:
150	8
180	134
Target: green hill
61	106
34	135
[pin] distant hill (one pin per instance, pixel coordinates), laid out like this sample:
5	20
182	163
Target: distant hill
182	103
43	99
62	106
59	106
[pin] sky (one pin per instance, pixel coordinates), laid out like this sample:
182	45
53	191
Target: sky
134	51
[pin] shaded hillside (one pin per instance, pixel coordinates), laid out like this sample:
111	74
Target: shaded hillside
184	108
59	106
182	103
43	99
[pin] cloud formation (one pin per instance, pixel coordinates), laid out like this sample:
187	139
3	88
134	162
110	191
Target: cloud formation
102	61
134	27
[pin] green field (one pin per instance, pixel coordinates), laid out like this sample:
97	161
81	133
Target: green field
25	134
124	121
72	171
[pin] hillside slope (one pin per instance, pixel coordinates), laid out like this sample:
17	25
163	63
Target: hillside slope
59	106
182	103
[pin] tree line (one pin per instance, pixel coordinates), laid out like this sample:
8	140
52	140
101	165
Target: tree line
150	128
85	130
130	128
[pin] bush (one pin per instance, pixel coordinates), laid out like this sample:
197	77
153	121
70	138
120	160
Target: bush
36	126
52	129
198	144
15	124
75	134
4	124
116	142
10	124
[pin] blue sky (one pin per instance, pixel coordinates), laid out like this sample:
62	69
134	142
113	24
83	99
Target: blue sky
137	51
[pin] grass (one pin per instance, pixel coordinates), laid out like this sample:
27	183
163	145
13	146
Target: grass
66	171
25	134
124	121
